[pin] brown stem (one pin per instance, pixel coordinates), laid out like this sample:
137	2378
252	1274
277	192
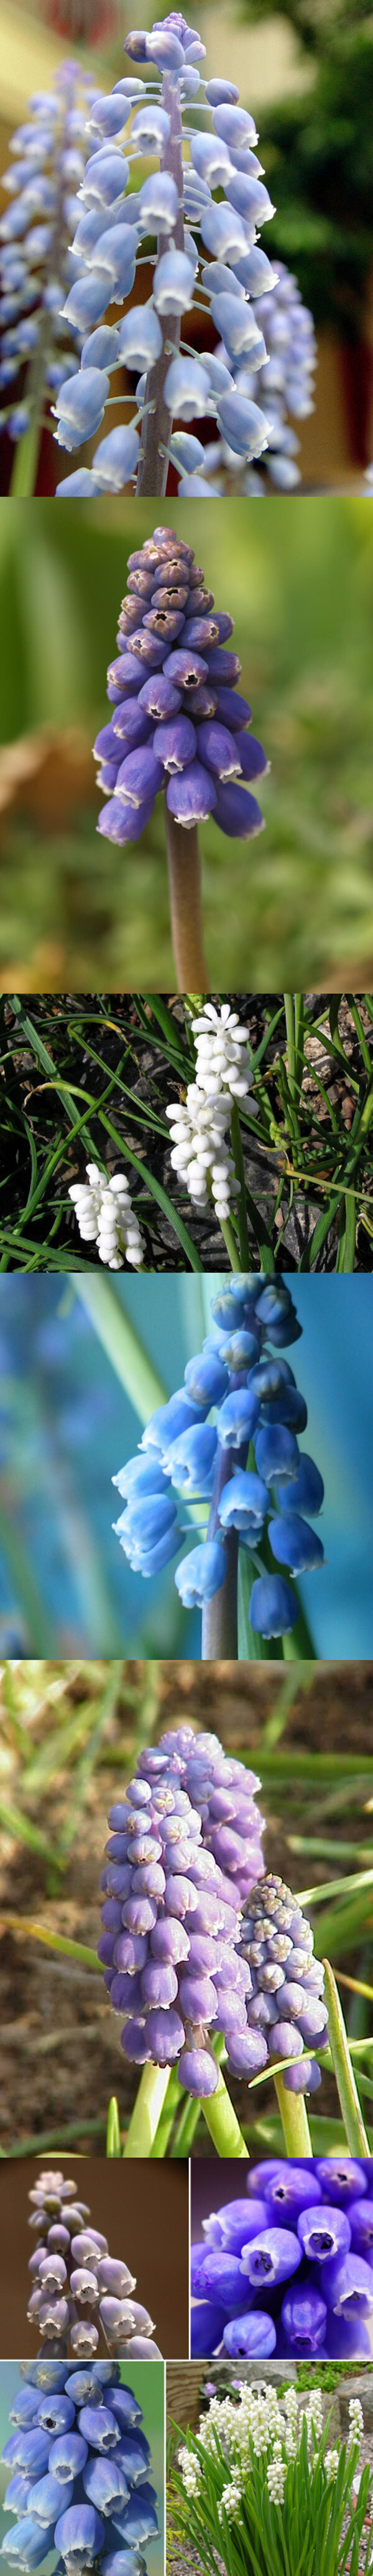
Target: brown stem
152	469
184	876
219	1616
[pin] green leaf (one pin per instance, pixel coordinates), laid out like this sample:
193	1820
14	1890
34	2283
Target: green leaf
345	2080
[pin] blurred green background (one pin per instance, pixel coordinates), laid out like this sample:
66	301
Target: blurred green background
295	905
148	2386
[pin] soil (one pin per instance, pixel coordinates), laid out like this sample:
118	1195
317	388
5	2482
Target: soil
61	2055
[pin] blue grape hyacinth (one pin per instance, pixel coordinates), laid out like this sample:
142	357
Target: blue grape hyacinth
184	1851
202	207
244	1465
176	723
78	2290
281	2271
195	1940
79	2461
283	383
38	348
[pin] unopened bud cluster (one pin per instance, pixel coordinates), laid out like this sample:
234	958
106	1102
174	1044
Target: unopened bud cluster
184	1850
105	1216
79	2461
287	2268
49	154
258	1411
286	2001
200	1125
77	2287
177	723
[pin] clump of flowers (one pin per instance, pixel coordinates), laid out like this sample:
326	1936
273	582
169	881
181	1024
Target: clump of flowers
181	199
105	1216
77	2288
245	1464
177	723
258	2487
37	345
200	1126
281	2270
79	2459
184	1848
285	385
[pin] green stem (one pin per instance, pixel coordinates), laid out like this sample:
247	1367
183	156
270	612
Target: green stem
221	2121
147	2110
122	1344
25	469
113	2136
356	2135
294	2120
229	1238
172	2100
290	1032
240	1176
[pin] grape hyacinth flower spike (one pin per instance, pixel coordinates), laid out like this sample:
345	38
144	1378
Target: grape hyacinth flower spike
78	2291
244	1464
79	2461
176	725
203	239
194	1944
205	1127
39	348
104	1214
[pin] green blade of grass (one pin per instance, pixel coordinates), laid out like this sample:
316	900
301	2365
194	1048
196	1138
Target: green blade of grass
52	1940
122	1345
347	1238
345	2080
113	2136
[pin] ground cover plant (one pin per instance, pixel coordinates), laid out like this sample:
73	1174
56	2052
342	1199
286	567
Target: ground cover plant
72	1738
91	1078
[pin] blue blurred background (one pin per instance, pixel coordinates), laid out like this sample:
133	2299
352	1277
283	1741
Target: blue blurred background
67	1424
147	2382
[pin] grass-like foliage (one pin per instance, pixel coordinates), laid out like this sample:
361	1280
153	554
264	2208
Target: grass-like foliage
92	1077
265	2493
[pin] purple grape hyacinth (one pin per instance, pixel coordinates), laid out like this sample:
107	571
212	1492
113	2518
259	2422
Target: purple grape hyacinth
174	674
258	1413
37	344
184	1849
286	1999
77	2288
277	2271
170	207
85	2490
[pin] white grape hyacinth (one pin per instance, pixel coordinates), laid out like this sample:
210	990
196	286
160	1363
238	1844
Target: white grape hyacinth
199	1125
105	1216
220	1041
201	1153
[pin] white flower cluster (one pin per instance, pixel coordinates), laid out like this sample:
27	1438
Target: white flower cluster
190	2471
105	1216
199	1126
356	2420
314	2417
276	2475
332	2464
230	2501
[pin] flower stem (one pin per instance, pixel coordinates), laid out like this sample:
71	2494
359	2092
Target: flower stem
147	2110
294	2120
221	2121
152	470
25	468
240	1176
356	2135
219	1641
184	876
226	1229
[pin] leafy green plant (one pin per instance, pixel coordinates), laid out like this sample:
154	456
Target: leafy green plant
263	2493
102	1073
